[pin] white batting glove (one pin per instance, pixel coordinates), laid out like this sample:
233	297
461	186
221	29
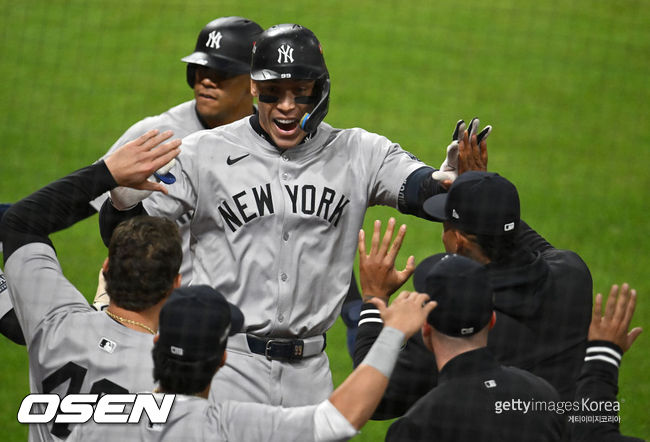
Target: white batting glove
449	167
125	198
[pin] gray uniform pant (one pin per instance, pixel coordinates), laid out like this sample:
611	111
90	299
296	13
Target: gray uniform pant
249	377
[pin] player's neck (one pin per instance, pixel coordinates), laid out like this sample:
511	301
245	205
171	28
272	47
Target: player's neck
144	322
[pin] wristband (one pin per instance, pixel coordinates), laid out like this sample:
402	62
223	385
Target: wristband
384	351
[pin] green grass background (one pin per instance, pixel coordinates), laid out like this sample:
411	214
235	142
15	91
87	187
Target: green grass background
564	83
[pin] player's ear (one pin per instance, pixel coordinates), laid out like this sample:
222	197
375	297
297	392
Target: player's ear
156	337
105	265
177	281
493	320
254	91
223	359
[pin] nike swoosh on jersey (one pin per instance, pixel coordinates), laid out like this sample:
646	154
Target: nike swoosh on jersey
231	161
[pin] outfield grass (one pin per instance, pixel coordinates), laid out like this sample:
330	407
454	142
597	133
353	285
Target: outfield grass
564	83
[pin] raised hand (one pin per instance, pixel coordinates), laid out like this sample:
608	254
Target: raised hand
377	271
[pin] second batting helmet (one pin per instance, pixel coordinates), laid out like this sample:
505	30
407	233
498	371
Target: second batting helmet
224	44
291	51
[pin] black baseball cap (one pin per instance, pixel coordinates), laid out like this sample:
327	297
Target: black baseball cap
478	202
461	286
195	323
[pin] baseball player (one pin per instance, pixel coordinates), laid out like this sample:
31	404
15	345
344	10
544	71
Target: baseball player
9	326
190	346
277	201
542	295
219	73
465	406
72	347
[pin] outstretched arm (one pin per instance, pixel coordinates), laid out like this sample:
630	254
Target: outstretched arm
358	396
415	370
609	338
65	201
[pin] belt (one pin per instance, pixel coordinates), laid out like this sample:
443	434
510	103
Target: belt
286	349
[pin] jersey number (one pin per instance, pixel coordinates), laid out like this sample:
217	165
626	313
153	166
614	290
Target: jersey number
76	374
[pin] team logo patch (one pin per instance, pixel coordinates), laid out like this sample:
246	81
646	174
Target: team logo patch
214	40
285	54
107	345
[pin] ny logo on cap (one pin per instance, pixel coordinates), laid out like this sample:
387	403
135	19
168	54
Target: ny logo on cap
287	52
214	40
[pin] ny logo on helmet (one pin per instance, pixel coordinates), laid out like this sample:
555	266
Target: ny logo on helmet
214	40
287	52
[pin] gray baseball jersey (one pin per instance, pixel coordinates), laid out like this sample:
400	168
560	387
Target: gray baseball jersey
276	232
72	347
5	300
182	120
193	419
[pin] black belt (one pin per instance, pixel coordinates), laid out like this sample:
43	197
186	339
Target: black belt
286	349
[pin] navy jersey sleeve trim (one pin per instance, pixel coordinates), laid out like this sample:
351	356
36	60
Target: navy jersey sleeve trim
417	187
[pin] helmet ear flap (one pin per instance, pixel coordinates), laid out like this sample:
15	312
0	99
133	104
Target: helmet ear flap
191	74
310	121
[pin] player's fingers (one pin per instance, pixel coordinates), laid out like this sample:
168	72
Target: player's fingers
374	243
388	236
167	152
142	139
429	306
381	305
155	187
483	134
629	310
362	245
473	126
410	267
621	304
610	305
631	337
598	309
397	244
152	145
459	129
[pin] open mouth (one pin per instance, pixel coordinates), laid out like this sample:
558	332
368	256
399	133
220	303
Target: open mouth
286	125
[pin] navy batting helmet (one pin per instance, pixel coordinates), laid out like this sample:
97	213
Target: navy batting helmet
224	44
291	51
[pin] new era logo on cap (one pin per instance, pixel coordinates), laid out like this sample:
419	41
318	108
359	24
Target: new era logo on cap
176	351
454	214
508	227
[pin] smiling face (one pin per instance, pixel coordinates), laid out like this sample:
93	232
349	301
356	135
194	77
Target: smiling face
221	98
279	113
